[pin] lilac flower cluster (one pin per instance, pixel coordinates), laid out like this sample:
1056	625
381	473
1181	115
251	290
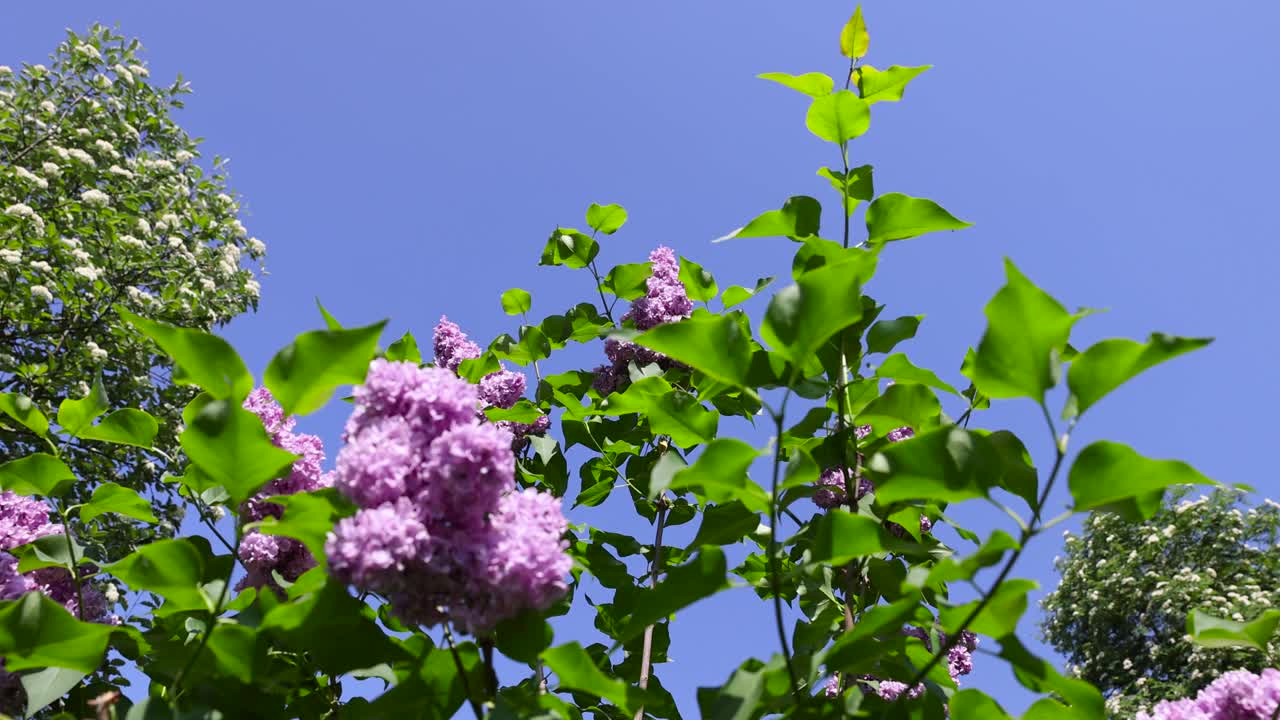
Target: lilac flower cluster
24	520
1236	695
263	554
441	533
959	663
501	389
666	300
830	488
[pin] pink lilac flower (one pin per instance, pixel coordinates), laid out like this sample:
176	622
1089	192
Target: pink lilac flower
900	434
442	531
831	488
376	547
24	520
831	688
431	400
262	555
452	345
892	689
1235	695
501	389
665	301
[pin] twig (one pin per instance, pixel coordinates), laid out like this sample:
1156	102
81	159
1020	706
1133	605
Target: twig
778	418
462	672
646	651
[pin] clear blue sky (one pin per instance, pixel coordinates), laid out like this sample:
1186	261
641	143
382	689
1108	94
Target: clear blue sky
409	161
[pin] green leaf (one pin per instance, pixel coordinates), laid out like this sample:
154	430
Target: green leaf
799	217
999	616
902	405
329	320
725	524
1111	363
737	699
516	301
523	411
628	281
1112	477
203	359
606	218
802	317
664	470
975	705
860	184
304	374
894	216
992	551
885	85
234	648
736	294
1026	330
683	585
49	551
1037	675
898	367
523	637
37	632
854	39
839	117
172	569
597	482
575	670
720	474
1215	632
20	408
949	464
697	282
38	474
843	536
813	84
123	427
405	349
334	628
308	517
712	344
112	498
669	411
885	334
229	445
45	686
569	248
75	415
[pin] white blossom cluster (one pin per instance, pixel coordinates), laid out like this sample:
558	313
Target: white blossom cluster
1119	612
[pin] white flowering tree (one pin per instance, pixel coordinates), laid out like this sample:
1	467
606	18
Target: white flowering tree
106	204
1120	611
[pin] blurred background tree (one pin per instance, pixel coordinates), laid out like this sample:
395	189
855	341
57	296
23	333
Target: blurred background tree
1119	614
104	203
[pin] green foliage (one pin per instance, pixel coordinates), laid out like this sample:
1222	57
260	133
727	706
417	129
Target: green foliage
839	117
228	444
112	498
895	216
799	217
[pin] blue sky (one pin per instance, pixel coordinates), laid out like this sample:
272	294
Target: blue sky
407	161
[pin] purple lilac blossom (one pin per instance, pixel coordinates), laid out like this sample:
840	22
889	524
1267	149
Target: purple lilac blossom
502	388
892	689
23	520
431	400
831	688
900	434
452	345
1235	695
831	488
376	547
442	531
665	300
262	554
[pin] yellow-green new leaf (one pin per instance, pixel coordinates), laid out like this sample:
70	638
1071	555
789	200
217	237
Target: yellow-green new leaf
894	216
839	117
854	39
812	84
885	85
